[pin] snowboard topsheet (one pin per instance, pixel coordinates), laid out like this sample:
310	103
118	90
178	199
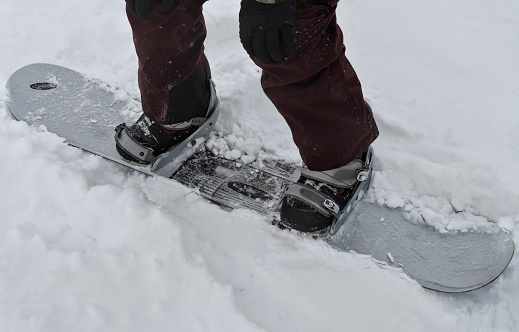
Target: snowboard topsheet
85	113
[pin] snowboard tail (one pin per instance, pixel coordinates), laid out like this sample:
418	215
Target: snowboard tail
85	113
451	262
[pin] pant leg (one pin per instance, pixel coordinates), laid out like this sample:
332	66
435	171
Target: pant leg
170	48
318	93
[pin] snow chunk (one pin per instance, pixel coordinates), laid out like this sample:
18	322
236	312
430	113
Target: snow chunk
432	218
459	224
231	139
236	154
251	147
393	201
247	159
417	203
390	257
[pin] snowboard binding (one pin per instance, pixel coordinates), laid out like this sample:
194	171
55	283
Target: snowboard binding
149	143
321	201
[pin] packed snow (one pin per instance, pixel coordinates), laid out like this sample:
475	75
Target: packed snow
88	245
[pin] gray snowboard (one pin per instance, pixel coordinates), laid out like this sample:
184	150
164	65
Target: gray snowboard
85	113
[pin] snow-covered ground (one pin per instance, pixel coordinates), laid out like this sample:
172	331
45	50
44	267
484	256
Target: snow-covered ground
86	245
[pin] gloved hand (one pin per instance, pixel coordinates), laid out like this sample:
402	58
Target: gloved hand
141	8
264	28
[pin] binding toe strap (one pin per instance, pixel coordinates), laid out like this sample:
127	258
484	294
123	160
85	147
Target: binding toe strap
126	142
313	198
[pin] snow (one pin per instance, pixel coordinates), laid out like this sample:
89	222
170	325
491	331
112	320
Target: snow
87	245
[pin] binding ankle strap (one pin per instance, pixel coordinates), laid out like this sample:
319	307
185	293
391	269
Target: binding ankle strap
342	177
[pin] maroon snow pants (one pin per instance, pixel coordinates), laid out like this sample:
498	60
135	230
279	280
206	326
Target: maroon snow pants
315	88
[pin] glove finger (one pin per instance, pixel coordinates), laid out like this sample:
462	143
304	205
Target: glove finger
290	38
274	46
142	8
259	47
168	3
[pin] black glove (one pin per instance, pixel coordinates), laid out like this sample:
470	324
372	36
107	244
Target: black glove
141	8
264	28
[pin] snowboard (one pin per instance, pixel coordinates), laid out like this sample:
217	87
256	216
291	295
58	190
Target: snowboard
85	112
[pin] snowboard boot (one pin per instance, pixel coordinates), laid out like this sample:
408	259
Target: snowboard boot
318	199
146	139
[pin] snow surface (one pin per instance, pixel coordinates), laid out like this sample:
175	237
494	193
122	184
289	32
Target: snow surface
86	245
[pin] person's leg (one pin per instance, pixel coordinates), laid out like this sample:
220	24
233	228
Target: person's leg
318	93
174	79
171	55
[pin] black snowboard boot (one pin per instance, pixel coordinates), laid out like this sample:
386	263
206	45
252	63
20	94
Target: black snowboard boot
319	198
188	107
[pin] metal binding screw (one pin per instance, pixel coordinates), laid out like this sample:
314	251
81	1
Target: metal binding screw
332	206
